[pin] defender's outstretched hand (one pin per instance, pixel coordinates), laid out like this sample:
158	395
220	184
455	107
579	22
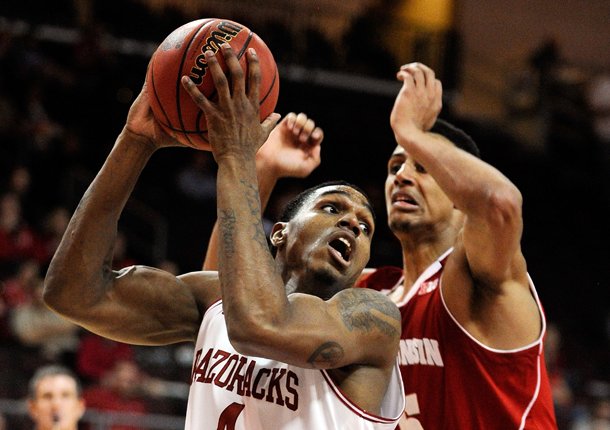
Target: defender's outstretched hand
292	149
233	121
419	101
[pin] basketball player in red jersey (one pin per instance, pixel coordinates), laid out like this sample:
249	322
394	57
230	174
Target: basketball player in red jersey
291	346
471	351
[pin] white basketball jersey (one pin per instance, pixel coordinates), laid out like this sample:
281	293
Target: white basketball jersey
230	391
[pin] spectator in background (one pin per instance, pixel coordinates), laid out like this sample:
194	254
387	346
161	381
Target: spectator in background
35	325
596	418
96	355
40	129
563	395
55	399
20	181
129	389
53	227
120	389
16	362
18	240
19	289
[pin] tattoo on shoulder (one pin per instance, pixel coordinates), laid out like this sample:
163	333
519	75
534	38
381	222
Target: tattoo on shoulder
366	310
327	353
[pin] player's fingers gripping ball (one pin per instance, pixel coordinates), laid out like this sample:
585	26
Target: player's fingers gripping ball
182	53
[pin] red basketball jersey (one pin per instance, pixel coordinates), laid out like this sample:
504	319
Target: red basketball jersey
452	381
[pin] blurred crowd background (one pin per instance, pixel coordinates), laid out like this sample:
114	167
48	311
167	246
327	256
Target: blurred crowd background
530	81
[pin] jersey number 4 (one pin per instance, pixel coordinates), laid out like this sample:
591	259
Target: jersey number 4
228	417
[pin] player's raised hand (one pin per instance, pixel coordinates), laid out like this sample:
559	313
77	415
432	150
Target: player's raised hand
233	121
292	149
141	123
419	101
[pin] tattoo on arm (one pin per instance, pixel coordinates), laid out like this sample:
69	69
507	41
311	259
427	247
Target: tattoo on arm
253	200
328	352
367	310
227	223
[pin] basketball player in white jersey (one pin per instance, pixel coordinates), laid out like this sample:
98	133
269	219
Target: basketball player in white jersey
291	345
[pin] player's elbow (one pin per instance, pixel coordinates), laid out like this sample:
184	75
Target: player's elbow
505	205
250	336
54	294
61	295
51	294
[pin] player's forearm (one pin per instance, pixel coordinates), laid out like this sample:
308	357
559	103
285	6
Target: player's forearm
266	184
251	287
471	184
266	180
79	270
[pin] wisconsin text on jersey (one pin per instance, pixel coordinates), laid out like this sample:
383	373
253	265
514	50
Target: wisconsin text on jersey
238	374
420	351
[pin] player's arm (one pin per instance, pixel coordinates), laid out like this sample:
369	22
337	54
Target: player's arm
261	320
292	150
356	325
487	257
137	304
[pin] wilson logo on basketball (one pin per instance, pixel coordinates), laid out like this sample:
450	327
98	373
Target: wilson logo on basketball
223	33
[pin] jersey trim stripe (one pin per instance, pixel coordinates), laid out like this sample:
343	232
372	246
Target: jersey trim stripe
535	397
537	342
213	305
431	270
354	408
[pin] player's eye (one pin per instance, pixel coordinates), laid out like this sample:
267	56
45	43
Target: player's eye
394	168
366	229
419	168
331	209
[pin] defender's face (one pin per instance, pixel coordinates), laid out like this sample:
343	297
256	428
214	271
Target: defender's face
331	234
57	404
413	198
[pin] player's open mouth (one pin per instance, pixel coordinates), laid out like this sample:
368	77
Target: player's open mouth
403	199
341	249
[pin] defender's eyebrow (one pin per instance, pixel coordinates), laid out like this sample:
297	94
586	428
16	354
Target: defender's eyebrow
345	193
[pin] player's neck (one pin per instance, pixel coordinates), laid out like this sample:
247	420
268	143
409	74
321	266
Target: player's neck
318	284
418	256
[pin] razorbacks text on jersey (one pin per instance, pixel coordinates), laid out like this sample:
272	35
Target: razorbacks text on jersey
232	391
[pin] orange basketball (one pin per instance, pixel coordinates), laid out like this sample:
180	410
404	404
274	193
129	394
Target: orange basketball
182	53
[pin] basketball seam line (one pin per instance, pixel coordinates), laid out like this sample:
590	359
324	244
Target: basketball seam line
182	61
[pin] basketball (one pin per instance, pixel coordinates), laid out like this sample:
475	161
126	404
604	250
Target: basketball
182	53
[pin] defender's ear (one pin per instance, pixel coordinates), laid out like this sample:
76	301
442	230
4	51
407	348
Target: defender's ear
278	233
